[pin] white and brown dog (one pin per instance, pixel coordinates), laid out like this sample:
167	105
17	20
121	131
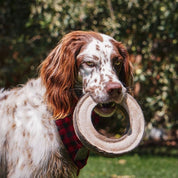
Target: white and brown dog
30	145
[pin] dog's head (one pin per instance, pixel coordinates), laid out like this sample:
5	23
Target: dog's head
96	60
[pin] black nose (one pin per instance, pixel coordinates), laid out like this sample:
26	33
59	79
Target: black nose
113	89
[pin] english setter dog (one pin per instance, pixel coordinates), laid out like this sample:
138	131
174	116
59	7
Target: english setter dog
30	143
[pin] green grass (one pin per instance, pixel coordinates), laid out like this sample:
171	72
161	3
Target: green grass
131	166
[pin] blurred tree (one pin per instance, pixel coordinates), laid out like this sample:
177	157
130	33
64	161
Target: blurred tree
30	29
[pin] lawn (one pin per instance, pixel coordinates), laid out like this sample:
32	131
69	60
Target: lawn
131	166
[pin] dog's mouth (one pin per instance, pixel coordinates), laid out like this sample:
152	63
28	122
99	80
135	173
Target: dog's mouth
105	109
110	119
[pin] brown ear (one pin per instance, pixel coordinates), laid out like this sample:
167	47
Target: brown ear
59	73
125	75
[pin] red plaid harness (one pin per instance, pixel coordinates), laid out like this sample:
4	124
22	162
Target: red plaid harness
71	141
76	149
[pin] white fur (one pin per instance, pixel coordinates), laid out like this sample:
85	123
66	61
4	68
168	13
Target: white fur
28	135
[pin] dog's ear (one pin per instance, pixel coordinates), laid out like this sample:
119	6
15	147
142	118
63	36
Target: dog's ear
59	74
126	74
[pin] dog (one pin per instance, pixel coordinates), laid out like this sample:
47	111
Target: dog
82	62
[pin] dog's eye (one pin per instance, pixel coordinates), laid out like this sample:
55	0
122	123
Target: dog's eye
90	64
116	61
117	65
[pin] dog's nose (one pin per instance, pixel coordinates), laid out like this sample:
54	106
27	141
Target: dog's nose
114	89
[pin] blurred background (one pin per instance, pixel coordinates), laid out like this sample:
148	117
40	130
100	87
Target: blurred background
29	29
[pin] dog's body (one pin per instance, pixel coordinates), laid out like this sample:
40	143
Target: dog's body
30	145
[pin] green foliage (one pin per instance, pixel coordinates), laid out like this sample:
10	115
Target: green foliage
30	29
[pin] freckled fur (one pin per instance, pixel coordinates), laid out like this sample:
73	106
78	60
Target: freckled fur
28	134
102	52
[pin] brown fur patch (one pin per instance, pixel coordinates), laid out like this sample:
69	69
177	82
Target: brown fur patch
97	47
4	97
95	57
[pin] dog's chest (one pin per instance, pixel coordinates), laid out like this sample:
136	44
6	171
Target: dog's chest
30	145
